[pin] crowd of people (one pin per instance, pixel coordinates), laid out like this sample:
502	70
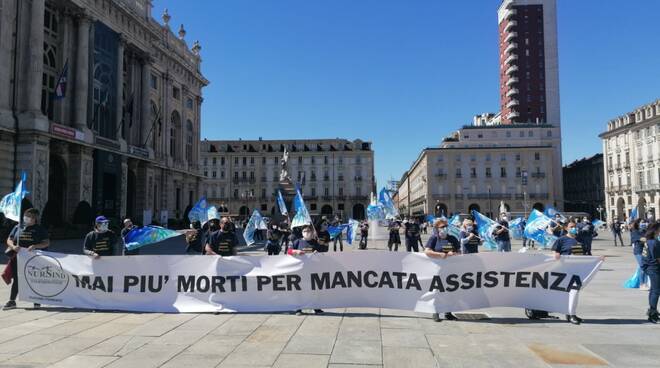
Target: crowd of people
219	237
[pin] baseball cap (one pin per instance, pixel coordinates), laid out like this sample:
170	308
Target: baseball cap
101	219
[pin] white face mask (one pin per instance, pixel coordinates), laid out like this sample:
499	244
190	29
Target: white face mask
504	218
307	235
103	227
442	232
27	220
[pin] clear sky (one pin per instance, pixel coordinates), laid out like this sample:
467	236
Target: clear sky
403	74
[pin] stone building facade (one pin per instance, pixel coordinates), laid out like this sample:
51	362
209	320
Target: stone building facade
584	186
336	175
478	167
125	137
631	159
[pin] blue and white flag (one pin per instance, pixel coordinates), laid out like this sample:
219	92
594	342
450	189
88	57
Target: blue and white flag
351	232
375	212
199	212
139	237
516	229
536	229
60	87
212	214
255	223
388	205
485	227
598	223
430	219
633	215
281	204
302	216
552	212
455	224
11	203
336	230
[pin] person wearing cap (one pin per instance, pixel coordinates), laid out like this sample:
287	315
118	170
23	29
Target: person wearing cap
307	244
31	236
101	241
442	245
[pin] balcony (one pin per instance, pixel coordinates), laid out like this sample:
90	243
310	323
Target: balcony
509	13
340	178
441	196
512	114
326	198
244	180
511	81
441	175
512	103
458	176
358	178
512	46
358	198
510	58
458	196
538	175
647	187
511	92
313	179
510	25
512	69
619	188
340	197
510	35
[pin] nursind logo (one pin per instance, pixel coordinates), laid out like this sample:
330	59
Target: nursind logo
45	276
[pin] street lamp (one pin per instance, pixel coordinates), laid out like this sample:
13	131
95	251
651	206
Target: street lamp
600	212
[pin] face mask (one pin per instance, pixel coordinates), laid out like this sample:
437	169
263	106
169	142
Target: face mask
442	232
585	220
504	218
469	228
27	220
572	231
103	227
307	235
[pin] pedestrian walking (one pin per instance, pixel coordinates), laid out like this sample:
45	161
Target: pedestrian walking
651	266
616	232
31	235
637	232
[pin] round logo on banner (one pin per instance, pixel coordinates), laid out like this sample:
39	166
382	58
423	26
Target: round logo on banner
45	276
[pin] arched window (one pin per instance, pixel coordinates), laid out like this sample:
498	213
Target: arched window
175	128
189	141
50	73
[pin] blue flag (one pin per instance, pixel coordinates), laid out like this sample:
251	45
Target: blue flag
634	281
281	204
11	203
302	216
375	212
515	227
552	212
139	237
352	230
388	205
598	223
430	219
211	214
199	212
455	224
485	227
255	223
536	229
633	215
336	230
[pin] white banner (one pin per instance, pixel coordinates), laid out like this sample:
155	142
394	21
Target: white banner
408	281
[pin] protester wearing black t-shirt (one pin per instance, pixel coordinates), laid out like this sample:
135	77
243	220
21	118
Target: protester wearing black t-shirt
221	242
307	244
32	236
469	238
128	226
194	238
413	235
442	245
101	241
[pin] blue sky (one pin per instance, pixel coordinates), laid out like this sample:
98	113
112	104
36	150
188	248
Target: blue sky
403	74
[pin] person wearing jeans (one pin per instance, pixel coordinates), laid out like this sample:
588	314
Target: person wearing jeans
637	230
651	258
501	233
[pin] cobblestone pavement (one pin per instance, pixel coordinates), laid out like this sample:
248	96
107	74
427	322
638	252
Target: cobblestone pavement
614	334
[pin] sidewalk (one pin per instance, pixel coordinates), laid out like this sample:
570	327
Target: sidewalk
614	334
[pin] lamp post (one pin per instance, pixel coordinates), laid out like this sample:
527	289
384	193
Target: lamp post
600	212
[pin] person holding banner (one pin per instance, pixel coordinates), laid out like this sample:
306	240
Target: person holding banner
307	244
322	231
413	235
442	245
273	245
221	242
31	236
101	241
469	238
128	226
565	246
394	239
651	266
501	234
194	238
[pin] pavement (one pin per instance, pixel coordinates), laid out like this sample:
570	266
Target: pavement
615	333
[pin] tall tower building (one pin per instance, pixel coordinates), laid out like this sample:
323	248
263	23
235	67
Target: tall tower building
529	76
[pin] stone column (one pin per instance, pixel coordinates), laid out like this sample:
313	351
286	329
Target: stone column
36	56
124	187
145	113
82	72
120	87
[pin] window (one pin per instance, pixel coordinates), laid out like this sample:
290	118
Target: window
488	157
235	193
206	173
488	173
326	191
503	157
313	160
530	133
300	160
235	160
458	172
189	103
251	160
244	174
174	134
263	160
549	134
341	191
222	161
537	156
312	207
222	174
175	92
508	134
313	192
214	161
236	175
50	69
518	172
502	172
244	161
214	174
517	156
522	134
473	172
189	141
154	81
